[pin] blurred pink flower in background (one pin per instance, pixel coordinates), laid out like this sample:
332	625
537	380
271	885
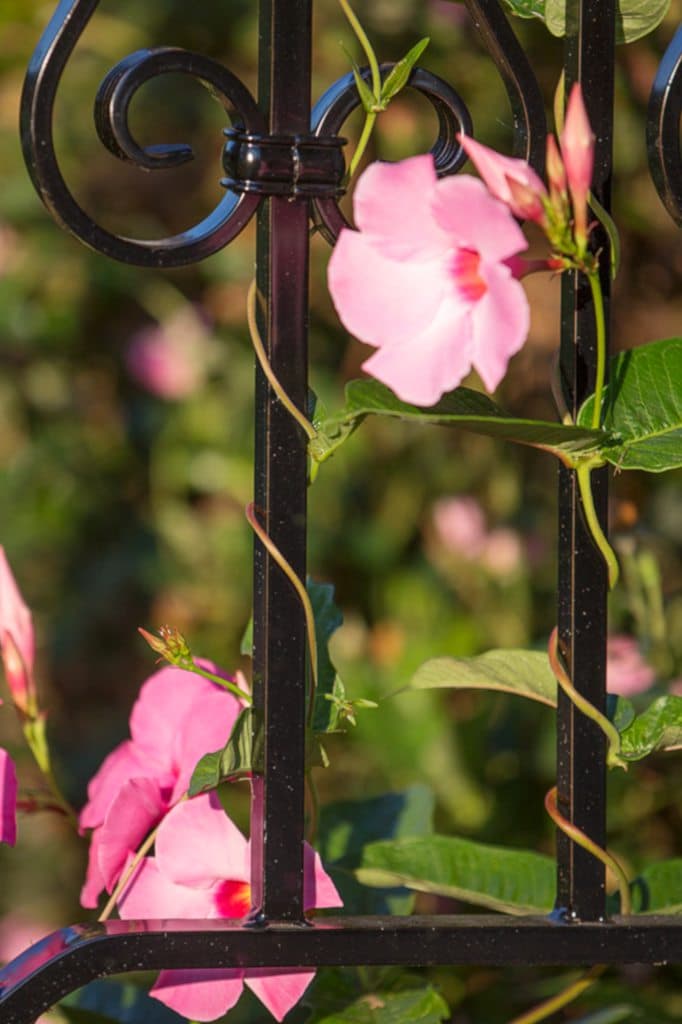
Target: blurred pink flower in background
177	718
627	673
462	529
424	279
201	869
17	641
172	359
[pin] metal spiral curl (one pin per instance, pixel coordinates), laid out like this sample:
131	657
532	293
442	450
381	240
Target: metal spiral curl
111	110
663	129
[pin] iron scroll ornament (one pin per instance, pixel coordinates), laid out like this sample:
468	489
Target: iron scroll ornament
663	129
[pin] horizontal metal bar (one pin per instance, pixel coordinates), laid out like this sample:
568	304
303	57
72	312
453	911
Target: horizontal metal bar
70	958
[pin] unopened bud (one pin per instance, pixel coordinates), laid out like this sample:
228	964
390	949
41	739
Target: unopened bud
170	644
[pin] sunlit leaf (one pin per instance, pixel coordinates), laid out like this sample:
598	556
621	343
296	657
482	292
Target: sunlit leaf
634	18
398	75
658	888
237	759
524	673
502	879
643	407
657	728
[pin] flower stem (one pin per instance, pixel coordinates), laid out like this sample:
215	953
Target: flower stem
363	39
600	323
583	473
227	684
562	998
365	136
314	800
128	873
265	366
579	837
300	589
583	705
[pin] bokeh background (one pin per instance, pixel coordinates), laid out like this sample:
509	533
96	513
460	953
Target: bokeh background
126	461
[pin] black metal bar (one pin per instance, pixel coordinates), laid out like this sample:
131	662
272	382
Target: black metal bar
663	129
582	611
72	957
280	475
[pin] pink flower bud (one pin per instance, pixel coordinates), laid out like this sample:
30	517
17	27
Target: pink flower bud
512	181
17	643
577	149
556	172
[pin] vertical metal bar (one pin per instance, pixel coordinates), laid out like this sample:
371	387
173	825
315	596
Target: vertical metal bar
280	483
582	611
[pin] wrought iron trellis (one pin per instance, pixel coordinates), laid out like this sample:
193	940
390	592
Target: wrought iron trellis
285	164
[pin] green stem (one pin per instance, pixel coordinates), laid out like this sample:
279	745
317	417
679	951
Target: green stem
227	684
583	473
265	366
563	998
300	589
34	732
365	136
314	818
600	323
365	44
583	705
579	837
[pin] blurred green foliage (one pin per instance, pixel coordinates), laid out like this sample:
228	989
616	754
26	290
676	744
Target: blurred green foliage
120	508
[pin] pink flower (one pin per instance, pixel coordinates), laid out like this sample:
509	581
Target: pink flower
577	149
460	525
201	869
170	359
513	182
177	718
424	279
17	641
627	673
8	799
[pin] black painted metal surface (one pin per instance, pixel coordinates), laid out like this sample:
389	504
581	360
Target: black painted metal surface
287	166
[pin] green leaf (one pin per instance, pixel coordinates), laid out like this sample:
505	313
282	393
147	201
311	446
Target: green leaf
623	712
527	8
643	407
634	18
367	98
609	225
657	728
238	758
398	75
347	827
417	1006
464	408
509	881
246	645
524	673
328	618
658	889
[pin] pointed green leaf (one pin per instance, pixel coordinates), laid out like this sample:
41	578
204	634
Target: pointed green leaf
509	881
348	826
657	728
328	618
643	407
367	98
524	673
634	18
464	408
398	75
658	889
238	758
527	8
416	1006
609	225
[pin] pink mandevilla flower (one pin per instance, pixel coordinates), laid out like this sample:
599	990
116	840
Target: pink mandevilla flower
201	870
8	799
424	279
17	641
176	719
170	359
577	150
627	673
512	181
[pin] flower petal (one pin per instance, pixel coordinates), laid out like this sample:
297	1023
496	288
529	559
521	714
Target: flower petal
430	363
501	320
15	617
133	813
199	995
393	202
279	990
207	726
379	299
465	209
8	799
198	845
162	708
124	762
318	889
151	895
94	882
